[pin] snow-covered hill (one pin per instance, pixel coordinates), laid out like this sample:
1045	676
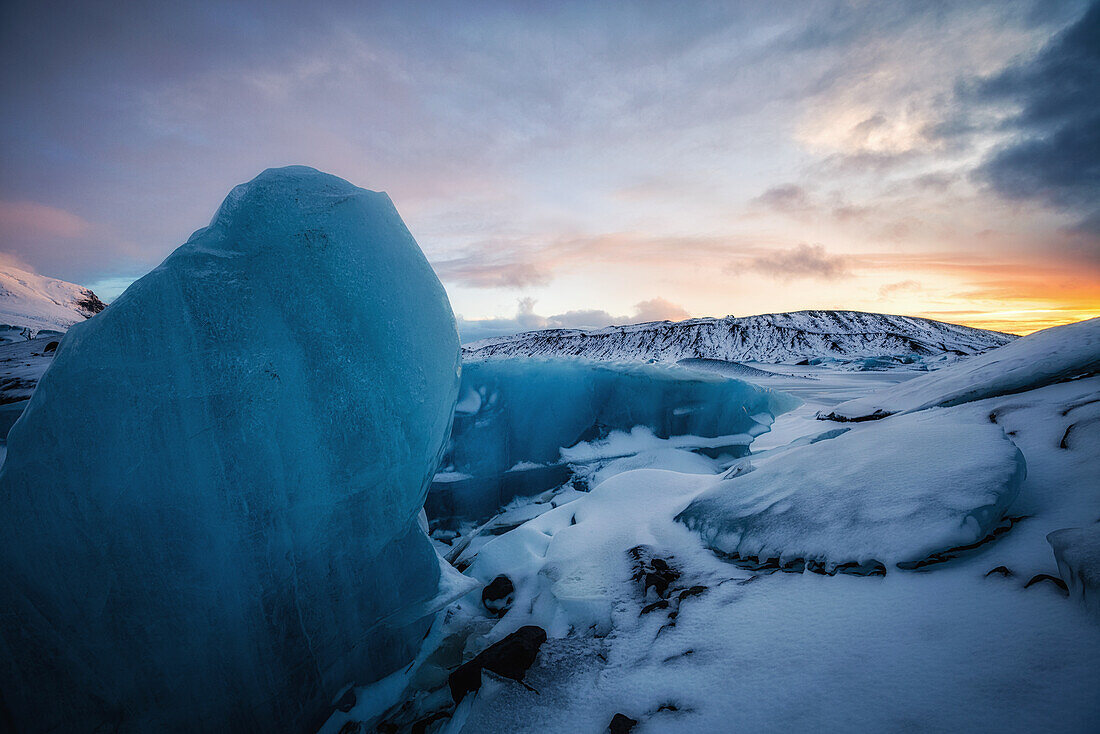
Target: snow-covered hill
36	302
779	337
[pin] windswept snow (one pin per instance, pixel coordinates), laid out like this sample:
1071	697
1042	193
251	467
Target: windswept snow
1047	356
779	337
896	494
1078	554
36	302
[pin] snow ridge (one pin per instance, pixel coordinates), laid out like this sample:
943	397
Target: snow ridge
777	337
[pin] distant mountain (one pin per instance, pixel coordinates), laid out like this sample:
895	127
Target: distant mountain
36	302
777	337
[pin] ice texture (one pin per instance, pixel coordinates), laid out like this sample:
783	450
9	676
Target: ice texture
516	416
1077	551
891	493
210	504
1045	357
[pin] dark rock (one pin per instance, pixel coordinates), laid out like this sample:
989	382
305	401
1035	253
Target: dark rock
653	573
621	724
1039	578
1002	570
498	595
693	591
350	727
659	604
510	657
51	347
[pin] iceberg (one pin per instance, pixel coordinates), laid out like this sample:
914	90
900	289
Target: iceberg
525	425
210	504
890	494
1045	357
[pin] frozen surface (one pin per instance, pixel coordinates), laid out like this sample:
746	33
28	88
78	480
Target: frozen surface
210	503
523	425
1047	356
1078	553
775	337
971	643
895	494
35	302
22	364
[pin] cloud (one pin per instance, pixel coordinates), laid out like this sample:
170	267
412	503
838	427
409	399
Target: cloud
655	309
29	219
892	289
784	198
1054	153
802	261
659	309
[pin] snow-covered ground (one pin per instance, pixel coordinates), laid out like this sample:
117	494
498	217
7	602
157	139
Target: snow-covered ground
900	579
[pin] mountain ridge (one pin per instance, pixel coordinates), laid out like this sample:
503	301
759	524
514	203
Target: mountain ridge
775	337
41	303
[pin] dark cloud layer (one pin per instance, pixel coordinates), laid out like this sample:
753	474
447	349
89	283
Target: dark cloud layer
1055	157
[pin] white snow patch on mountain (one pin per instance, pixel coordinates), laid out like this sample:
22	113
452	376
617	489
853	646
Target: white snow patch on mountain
39	303
779	337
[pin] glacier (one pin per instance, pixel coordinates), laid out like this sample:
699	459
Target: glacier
523	426
211	501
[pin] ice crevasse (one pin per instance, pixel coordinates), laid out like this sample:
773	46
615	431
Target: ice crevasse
210	504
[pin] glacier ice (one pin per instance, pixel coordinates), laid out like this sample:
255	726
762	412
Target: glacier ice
891	493
1045	357
211	501
523	425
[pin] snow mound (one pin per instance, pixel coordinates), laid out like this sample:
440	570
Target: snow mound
892	495
211	500
522	426
35	302
1077	551
1047	356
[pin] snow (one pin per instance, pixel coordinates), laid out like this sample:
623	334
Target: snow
981	640
1047	356
525	423
36	302
211	501
781	337
897	494
1077	551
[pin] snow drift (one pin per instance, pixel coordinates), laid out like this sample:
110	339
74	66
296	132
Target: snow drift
1047	356
894	494
210	503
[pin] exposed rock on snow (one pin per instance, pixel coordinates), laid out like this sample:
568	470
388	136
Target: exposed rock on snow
779	337
35	302
210	504
896	493
1045	357
1077	551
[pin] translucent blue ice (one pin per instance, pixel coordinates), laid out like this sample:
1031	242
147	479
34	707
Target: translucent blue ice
515	416
210	504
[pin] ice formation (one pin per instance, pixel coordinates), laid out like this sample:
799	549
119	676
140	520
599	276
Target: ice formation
1045	357
523	425
893	493
1077	551
211	501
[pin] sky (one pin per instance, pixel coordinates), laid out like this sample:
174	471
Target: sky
582	164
